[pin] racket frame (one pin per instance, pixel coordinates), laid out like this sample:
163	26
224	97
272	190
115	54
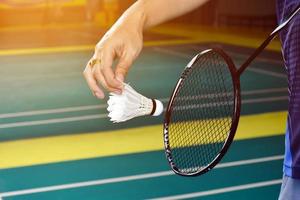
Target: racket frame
235	74
235	116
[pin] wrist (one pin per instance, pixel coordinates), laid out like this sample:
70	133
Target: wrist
134	17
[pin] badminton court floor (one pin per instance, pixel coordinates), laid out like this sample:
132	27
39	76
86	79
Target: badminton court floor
57	142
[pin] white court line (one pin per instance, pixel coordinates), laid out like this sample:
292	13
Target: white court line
222	190
264	91
227	94
266	72
226	103
101	106
52	121
131	178
103	116
52	111
254	69
267	99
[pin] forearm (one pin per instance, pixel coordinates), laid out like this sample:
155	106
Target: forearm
147	13
159	11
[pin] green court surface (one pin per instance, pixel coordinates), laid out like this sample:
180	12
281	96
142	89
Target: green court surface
146	175
45	95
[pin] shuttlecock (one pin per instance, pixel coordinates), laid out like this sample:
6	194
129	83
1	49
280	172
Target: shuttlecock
131	104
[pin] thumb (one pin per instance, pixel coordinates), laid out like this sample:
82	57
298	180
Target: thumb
122	69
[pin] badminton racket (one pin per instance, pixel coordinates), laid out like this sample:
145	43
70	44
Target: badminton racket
204	109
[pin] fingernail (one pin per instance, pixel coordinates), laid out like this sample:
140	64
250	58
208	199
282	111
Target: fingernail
99	96
120	78
118	92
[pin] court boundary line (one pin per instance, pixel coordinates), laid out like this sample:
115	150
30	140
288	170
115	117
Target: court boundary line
102	116
267	72
51	111
222	190
130	178
87	47
52	121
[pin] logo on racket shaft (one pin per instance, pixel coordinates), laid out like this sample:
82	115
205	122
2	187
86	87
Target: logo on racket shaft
167	147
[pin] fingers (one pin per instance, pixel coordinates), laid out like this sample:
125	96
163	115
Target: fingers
101	80
91	81
122	68
106	75
99	71
112	83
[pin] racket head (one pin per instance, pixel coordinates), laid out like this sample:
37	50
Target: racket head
196	134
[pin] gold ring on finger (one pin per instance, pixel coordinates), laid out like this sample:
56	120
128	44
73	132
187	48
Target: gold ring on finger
94	62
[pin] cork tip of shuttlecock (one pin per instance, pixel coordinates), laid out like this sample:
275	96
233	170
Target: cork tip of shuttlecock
159	108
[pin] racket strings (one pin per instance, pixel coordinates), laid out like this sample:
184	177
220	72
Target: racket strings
201	113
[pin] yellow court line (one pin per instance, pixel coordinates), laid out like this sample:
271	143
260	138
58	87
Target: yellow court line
57	26
90	145
76	48
72	3
45	50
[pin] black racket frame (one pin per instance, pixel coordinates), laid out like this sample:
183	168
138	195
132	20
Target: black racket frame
235	116
235	74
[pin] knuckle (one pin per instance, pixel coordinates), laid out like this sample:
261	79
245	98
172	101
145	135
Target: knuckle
99	47
102	69
94	70
96	73
131	53
128	59
123	63
109	82
121	69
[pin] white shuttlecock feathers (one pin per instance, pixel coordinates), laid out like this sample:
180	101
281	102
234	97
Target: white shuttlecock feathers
131	104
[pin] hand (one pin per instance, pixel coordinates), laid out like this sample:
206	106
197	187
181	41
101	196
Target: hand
123	42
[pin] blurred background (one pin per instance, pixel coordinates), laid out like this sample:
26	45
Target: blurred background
55	137
105	12
29	18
